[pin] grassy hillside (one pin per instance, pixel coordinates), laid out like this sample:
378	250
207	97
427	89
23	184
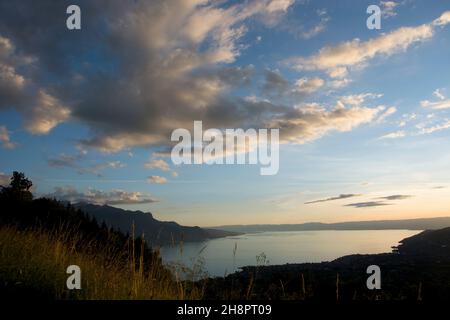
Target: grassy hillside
40	238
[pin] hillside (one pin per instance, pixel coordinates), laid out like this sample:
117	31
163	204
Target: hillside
156	232
40	238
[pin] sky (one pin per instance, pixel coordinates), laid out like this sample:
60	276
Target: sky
363	114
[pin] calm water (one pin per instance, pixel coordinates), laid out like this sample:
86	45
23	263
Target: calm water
282	247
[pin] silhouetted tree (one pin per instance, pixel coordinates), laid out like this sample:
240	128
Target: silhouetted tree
19	188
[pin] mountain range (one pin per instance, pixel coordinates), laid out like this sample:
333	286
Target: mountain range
155	232
408	224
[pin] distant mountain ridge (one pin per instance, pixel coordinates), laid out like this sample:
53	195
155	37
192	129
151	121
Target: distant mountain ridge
409	224
155	232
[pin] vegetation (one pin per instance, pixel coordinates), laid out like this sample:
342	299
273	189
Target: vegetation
40	238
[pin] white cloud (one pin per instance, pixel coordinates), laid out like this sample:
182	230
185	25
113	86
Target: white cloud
437	105
388	8
394	135
279	5
442	103
339	83
46	114
443	20
113	197
314	31
308	85
358	53
156	180
438	94
157	164
442	126
338	72
357	99
5	139
313	122
390	111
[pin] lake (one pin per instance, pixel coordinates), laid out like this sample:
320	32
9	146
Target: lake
219	258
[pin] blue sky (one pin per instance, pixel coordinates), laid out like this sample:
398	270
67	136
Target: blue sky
363	114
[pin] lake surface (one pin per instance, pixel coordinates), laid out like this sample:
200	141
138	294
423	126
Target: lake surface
218	255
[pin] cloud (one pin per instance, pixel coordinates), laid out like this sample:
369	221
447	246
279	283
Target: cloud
339	197
11	82
388	8
394	135
300	31
157	164
64	160
174	53
113	197
72	161
389	112
5	179
358	53
358	99
368	204
443	20
5	139
396	197
311	33
313	122
156	179
41	110
338	72
437	93
96	169
406	118
46	114
279	5
437	105
308	85
339	83
275	83
441	103
443	126
159	65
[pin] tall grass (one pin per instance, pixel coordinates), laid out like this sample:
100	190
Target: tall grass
35	261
